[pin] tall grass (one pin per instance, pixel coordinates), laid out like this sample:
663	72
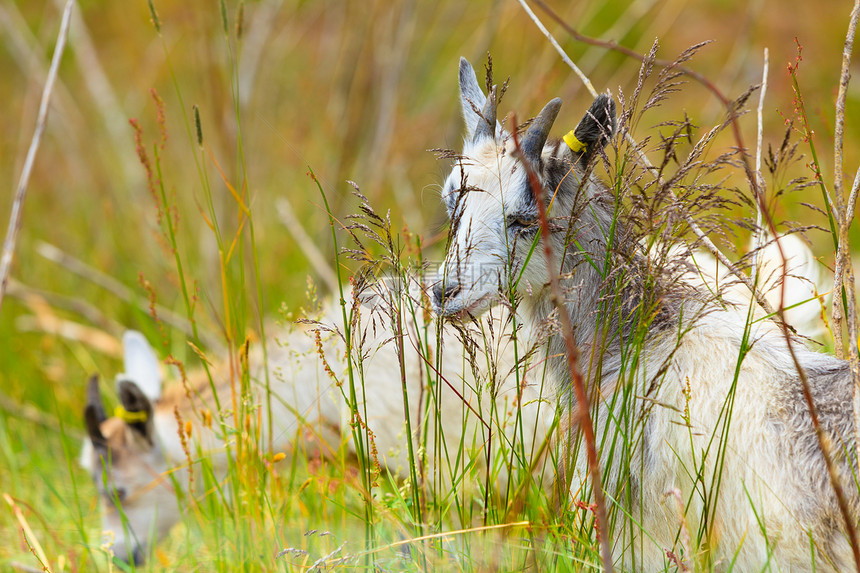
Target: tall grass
204	243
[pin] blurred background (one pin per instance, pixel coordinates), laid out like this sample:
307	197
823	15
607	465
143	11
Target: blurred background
354	90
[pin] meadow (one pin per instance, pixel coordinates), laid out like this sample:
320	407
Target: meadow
214	213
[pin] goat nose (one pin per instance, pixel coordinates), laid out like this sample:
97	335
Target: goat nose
443	291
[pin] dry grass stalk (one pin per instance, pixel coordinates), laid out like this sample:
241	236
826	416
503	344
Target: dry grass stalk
28	52
757	235
91	313
34	415
586	81
732	118
107	103
844	273
41	122
122	292
29	537
583	414
823	441
259	30
53	325
21	567
314	256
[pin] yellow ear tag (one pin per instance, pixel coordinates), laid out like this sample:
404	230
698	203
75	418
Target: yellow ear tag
573	143
129	417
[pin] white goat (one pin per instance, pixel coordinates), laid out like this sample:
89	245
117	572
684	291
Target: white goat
131	454
715	458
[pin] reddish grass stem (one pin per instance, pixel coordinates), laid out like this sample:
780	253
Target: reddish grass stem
583	414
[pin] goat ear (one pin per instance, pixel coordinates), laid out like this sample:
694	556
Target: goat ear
594	131
137	408
141	365
472	98
94	414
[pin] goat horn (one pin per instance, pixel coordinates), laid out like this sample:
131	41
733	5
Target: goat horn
94	413
94	399
487	121
537	133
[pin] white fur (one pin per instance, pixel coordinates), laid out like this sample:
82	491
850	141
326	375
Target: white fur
802	280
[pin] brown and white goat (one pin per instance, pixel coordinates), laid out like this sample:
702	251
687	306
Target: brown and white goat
131	454
712	437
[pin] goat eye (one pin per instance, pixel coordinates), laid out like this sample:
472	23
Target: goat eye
522	223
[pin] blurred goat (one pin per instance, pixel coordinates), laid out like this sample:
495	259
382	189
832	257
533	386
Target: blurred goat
131	454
